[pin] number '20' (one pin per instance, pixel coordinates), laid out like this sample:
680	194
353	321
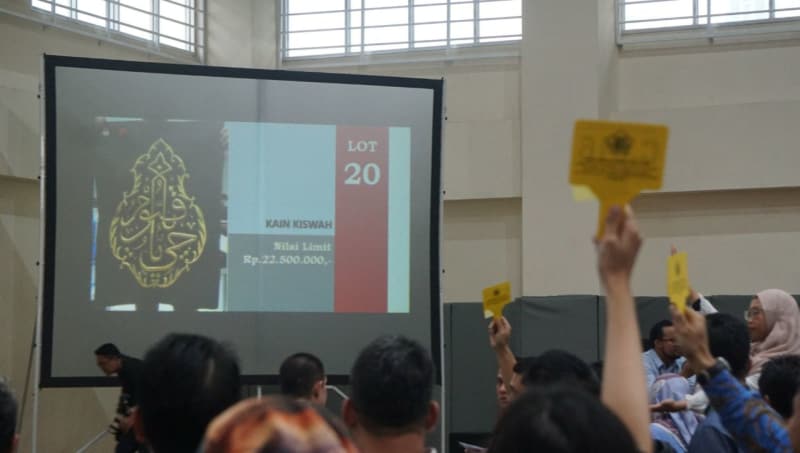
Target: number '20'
370	174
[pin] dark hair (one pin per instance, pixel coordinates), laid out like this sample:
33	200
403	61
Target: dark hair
597	367
392	385
186	381
298	374
778	381
522	365
556	366
559	419
657	331
8	418
108	349
728	338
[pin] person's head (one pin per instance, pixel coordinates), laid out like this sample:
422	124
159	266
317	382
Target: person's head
756	321
8	420
559	419
501	392
769	307
516	387
277	424
302	376
186	381
728	338
109	359
662	337
557	366
392	389
778	382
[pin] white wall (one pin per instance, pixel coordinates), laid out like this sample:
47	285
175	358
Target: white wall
731	111
730	182
739	241
562	62
732	162
482	245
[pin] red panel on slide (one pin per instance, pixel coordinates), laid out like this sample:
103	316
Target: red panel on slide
362	197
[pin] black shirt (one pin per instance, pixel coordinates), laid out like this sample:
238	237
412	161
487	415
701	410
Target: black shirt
129	375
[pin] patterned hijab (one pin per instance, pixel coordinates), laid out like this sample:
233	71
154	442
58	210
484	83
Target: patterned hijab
783	325
276	425
682	424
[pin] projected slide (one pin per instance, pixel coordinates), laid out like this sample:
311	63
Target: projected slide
321	211
317	216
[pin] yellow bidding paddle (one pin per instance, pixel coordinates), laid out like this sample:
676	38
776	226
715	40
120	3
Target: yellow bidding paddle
617	161
495	298
678	280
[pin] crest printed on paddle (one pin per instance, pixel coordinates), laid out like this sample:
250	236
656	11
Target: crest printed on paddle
495	298
617	161
678	287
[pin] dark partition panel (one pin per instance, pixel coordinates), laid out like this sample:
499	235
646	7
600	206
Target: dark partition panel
447	321
649	310
734	305
472	407
559	322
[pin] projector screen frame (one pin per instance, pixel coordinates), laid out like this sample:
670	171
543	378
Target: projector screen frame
48	190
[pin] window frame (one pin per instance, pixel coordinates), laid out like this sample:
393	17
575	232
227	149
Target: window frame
702	31
195	22
475	49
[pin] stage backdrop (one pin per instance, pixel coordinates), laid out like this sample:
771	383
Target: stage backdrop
275	211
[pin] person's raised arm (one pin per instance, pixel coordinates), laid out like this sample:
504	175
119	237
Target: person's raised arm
499	338
624	390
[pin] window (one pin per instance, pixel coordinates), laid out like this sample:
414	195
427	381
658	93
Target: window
352	27
171	23
707	18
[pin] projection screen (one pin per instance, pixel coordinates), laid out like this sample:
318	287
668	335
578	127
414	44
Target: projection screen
275	211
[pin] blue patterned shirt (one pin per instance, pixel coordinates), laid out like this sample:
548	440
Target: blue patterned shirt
747	417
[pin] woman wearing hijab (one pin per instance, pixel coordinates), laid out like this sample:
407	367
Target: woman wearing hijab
774	323
675	428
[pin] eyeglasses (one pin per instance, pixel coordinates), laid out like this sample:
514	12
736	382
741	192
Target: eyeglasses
752	313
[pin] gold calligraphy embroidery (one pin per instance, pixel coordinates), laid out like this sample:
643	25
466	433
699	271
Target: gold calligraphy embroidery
158	231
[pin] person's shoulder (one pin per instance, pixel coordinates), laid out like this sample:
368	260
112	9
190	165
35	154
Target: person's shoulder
651	360
130	364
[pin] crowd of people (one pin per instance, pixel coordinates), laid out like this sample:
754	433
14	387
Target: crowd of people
708	382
